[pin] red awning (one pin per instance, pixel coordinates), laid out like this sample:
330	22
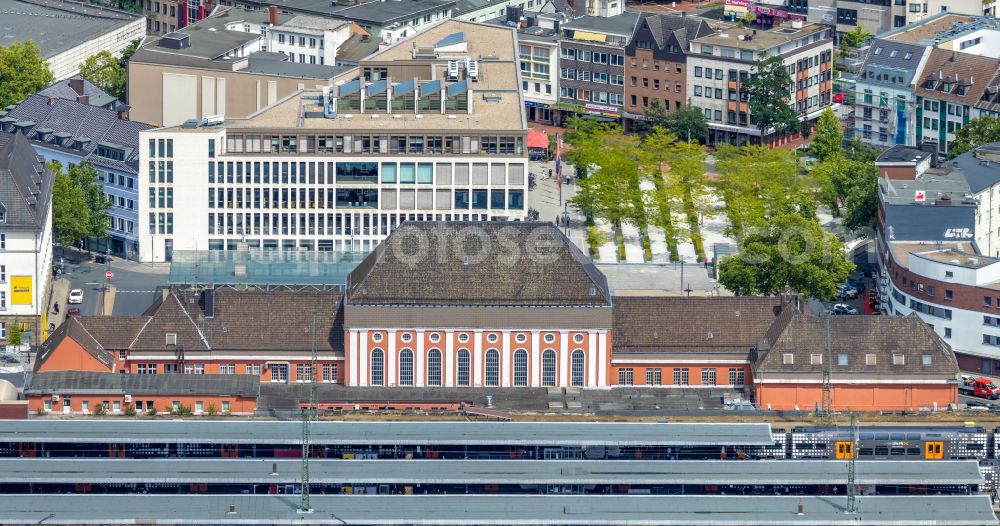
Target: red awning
538	139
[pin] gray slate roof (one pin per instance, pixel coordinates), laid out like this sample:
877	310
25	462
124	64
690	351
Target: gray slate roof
665	28
57	26
82	120
386	12
279	65
621	25
543	510
25	185
892	54
477	263
77	382
62	90
979	176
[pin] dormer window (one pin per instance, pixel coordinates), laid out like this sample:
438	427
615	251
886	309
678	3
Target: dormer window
960	90
929	84
946	87
109	151
171	338
3	213
907	56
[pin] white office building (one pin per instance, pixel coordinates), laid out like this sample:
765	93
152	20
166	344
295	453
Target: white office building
430	131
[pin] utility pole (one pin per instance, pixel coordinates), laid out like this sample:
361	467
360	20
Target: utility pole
852	489
308	414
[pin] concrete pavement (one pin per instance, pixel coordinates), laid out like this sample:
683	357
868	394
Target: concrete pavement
545	199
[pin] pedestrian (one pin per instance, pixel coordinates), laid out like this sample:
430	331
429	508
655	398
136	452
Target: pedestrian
56	307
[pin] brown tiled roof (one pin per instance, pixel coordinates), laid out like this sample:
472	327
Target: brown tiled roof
73	329
973	72
477	263
685	324
114	332
171	317
803	335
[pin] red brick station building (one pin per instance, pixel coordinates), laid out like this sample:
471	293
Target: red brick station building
488	305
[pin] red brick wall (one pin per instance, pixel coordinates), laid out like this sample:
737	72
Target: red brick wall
667	372
860	397
70	356
162	402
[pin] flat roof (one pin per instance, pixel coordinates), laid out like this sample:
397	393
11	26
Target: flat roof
942	27
934	182
408	433
263	267
383	12
660	279
482	39
57	26
902	250
358	472
495	510
760	40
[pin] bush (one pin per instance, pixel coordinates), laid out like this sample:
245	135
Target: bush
151	411
100	410
40	412
211	410
182	410
595	238
130	410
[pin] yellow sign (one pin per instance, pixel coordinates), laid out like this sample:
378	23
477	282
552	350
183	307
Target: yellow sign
20	290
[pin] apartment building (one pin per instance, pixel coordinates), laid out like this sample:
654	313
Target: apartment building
948	91
25	239
222	66
885	102
592	65
308	39
423	135
719	65
656	62
73	131
538	57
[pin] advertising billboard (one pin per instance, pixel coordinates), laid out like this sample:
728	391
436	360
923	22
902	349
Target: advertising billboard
20	290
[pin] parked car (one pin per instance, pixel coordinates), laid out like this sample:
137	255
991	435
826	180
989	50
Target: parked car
847	292
856	283
75	296
73	311
840	308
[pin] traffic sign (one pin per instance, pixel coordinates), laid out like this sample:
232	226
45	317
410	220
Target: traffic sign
109	274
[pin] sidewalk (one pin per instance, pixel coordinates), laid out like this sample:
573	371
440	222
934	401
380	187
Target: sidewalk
77	256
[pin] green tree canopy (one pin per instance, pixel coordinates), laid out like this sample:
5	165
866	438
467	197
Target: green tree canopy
855	38
83	176
789	251
684	122
757	183
829	136
105	71
769	91
129	50
70	215
977	132
23	71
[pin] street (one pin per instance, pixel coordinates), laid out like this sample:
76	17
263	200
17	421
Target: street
136	284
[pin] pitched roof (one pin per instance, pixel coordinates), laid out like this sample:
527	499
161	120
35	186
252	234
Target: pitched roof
477	263
74	382
63	90
60	25
663	26
81	120
902	58
25	184
689	324
803	335
965	75
73	329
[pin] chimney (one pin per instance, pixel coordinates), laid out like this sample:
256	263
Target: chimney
122	116
83	99
76	83
931	148
272	12
232	509
51	101
801	509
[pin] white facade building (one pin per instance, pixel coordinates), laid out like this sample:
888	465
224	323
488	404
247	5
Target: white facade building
309	40
339	169
25	238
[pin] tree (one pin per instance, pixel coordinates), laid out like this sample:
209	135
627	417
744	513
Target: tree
70	215
129	50
23	71
977	132
104	70
94	222
829	136
15	334
768	89
789	251
688	122
757	183
855	38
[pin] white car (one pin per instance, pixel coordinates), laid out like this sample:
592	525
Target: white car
75	296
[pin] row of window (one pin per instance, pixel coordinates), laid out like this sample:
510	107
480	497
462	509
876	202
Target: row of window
681	376
603	97
164	197
161	148
842	359
302	40
240	172
391	144
599	77
464	364
161	171
666	66
161	223
932	124
656	84
115	406
583	55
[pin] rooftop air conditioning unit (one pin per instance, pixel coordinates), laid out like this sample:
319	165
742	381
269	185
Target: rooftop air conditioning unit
452	70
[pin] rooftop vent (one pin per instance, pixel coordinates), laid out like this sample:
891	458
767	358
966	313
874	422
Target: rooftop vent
175	41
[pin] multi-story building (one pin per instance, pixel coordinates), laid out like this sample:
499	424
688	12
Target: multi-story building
592	65
432	130
538	56
74	132
308	39
884	98
939	247
67	32
25	239
719	66
948	91
222	66
656	63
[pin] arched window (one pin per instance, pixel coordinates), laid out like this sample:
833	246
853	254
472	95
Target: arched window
378	367
576	367
463	366
406	367
520	368
434	367
492	368
549	368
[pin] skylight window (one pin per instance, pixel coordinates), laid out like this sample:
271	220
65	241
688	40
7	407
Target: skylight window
907	56
878	51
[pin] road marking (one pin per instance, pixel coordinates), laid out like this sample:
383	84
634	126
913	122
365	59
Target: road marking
142	291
